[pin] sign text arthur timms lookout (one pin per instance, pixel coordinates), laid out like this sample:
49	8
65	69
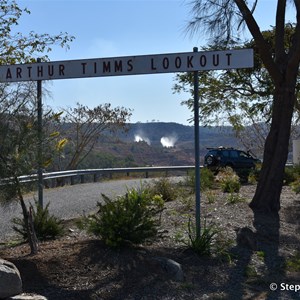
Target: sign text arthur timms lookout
129	65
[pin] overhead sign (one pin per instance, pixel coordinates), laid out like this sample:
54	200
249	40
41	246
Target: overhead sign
129	65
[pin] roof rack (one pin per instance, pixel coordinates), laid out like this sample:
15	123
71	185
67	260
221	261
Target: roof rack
220	147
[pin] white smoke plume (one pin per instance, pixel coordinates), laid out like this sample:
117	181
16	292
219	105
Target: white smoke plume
141	138
169	141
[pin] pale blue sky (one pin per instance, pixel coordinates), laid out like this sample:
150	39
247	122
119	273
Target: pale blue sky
113	28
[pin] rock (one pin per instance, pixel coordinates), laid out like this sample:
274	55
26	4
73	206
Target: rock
28	297
10	280
172	267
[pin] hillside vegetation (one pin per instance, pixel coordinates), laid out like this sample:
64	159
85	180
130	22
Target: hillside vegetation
155	143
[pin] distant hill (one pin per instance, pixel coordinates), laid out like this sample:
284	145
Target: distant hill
179	134
156	144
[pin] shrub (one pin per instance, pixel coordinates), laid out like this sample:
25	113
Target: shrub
206	179
293	263
248	175
130	219
234	198
231	186
211	196
46	226
201	245
291	174
229	181
254	174
190	180
165	188
296	186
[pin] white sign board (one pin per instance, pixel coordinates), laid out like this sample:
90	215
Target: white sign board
129	65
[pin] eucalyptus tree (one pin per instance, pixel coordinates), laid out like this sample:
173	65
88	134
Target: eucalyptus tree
18	136
225	18
82	126
240	97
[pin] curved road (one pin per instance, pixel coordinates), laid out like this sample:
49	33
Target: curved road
68	202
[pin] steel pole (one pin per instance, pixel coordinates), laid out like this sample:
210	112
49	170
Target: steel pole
40	140
197	150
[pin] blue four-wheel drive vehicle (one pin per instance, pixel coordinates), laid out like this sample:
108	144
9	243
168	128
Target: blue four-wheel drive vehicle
222	157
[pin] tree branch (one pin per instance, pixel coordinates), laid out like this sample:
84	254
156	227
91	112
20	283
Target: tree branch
263	47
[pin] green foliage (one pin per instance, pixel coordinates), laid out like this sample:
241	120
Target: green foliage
253	176
211	196
293	264
188	202
221	99
231	186
18	125
190	180
96	159
291	174
201	245
87	124
250	272
234	198
261	255
296	186
165	188
206	179
130	219
47	227
230	182
292	178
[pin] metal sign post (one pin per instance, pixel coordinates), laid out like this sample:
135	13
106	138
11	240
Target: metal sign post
40	141
197	151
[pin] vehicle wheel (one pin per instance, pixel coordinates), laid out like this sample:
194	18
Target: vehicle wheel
210	160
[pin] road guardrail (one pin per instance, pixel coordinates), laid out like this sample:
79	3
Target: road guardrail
96	173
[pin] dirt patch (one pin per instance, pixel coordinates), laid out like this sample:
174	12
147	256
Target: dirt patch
79	266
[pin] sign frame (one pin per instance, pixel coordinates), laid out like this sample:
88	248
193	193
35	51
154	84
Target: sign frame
192	62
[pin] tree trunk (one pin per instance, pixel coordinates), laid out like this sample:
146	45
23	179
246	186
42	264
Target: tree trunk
267	195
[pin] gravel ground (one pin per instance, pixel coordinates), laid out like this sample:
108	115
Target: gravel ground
78	266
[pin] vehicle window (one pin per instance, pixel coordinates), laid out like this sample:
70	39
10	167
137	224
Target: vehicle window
213	152
234	154
244	154
225	153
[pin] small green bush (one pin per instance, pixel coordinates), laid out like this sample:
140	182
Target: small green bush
165	188
201	245
293	264
46	227
206	179
130	219
211	241
231	186
211	196
229	180
190	181
296	186
291	174
254	174
234	198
